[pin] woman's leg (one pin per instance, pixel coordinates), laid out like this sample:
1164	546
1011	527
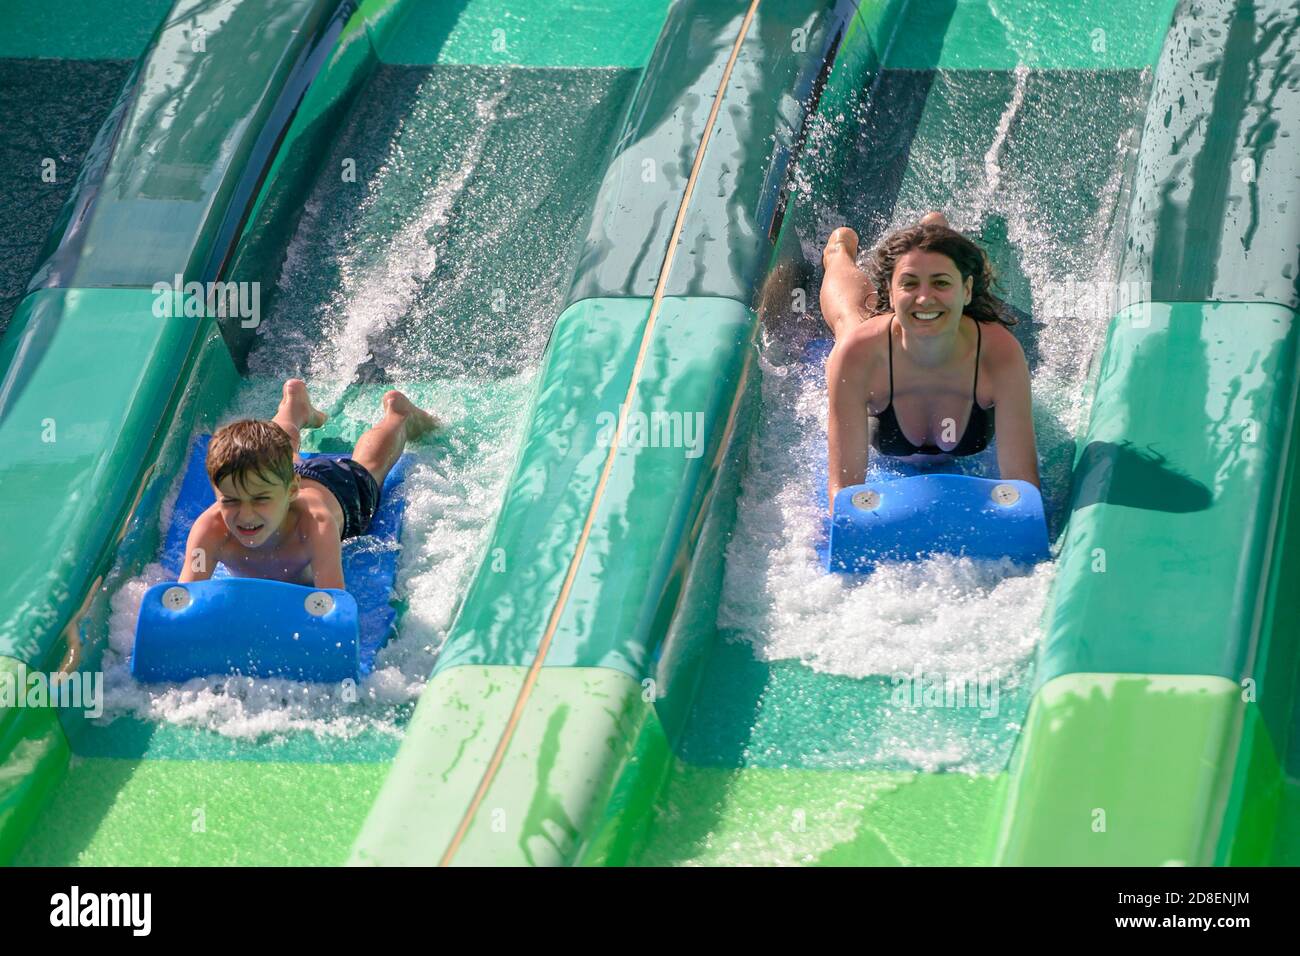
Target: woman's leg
296	412
846	292
380	447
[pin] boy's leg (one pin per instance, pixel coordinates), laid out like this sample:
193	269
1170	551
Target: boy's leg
380	447
296	412
846	291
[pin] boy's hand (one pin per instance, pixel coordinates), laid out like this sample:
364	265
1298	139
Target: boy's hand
202	549
326	552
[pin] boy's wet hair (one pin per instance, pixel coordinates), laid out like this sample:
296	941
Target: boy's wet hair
250	447
970	259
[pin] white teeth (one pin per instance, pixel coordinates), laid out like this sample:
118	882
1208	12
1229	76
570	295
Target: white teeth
926	316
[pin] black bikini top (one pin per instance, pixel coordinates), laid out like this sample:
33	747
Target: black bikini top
888	438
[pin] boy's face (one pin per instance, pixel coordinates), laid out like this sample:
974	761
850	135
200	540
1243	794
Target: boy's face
255	506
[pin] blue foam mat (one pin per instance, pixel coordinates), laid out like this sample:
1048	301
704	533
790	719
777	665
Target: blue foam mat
369	562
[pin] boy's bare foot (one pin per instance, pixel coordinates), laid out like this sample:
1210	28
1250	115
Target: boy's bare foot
935	218
298	403
418	421
842	239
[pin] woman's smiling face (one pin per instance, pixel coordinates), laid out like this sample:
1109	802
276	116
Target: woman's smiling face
928	293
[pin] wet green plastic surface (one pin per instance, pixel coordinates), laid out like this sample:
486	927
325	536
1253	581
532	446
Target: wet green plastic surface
783	714
1254	828
1187	479
89	376
642	531
114	812
1123	770
1005	34
573	738
723	247
181	155
275	212
784	817
1287	848
33	755
129	738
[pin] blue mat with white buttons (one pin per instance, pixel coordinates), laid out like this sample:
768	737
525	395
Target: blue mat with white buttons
262	628
903	512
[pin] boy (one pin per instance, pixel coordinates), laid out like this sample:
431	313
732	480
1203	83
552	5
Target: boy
278	516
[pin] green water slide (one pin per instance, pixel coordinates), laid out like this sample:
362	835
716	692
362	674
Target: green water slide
241	132
587	706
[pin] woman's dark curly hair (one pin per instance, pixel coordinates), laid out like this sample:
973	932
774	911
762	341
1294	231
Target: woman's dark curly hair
970	260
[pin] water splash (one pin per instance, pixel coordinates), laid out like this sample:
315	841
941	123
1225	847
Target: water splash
375	296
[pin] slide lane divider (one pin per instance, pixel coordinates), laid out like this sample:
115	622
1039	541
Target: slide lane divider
539	658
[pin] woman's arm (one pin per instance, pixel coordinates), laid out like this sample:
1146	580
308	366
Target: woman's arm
1017	451
846	424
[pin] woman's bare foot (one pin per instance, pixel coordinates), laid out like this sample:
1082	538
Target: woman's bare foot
935	218
418	421
843	240
297	403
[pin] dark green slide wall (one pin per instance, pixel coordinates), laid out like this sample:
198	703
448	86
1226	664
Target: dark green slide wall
62	66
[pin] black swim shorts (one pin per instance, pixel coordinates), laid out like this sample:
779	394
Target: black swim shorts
352	484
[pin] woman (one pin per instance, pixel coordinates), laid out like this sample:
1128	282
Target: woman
923	354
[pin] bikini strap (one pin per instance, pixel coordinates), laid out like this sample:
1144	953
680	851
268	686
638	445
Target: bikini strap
889	333
978	341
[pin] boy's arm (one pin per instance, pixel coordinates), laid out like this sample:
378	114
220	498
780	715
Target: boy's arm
326	551
202	549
